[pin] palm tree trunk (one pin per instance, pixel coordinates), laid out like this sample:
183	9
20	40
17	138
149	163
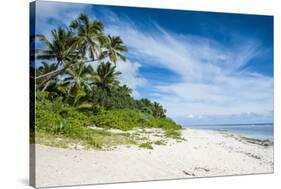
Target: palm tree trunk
68	66
46	85
51	77
53	74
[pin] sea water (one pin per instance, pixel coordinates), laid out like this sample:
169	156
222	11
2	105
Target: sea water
259	131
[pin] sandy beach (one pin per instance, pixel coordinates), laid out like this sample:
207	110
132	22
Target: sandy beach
204	153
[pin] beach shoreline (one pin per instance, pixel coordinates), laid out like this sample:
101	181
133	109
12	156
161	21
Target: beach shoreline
204	153
262	131
264	141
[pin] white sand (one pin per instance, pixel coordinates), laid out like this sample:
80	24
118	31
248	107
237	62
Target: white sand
205	153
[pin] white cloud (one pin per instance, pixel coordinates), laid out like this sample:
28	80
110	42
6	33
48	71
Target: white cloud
130	75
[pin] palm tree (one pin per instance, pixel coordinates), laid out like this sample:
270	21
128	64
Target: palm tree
114	48
106	76
77	82
61	48
90	35
124	90
93	40
158	110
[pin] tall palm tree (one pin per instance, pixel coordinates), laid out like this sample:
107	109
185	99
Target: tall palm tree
94	42
61	48
106	76
114	49
105	79
90	35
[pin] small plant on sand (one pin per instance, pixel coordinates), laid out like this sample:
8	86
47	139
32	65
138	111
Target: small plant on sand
175	134
160	142
147	145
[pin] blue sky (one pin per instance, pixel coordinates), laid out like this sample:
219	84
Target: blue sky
202	67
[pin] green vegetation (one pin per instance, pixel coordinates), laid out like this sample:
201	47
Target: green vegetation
125	119
147	145
73	98
160	142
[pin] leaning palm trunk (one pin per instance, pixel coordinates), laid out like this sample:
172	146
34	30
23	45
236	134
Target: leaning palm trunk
53	74
50	77
46	85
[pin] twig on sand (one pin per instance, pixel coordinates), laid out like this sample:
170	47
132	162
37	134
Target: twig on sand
189	174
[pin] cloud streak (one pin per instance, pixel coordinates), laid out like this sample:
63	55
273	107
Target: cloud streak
130	76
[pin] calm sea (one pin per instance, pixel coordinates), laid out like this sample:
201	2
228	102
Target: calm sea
260	131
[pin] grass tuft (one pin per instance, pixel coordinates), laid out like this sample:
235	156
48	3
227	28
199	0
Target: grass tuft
147	145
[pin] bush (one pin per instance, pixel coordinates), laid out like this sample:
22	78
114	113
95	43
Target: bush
118	119
48	121
168	124
58	118
129	119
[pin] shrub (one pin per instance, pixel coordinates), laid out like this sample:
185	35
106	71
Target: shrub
47	121
168	124
128	119
119	119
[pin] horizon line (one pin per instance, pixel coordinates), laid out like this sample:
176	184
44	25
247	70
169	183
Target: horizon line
225	124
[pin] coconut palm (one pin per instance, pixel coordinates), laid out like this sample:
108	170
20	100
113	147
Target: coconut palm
77	82
106	76
90	35
114	49
93	40
61	48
